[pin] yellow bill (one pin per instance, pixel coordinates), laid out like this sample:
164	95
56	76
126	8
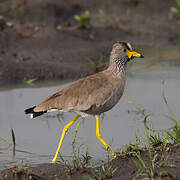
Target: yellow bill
132	54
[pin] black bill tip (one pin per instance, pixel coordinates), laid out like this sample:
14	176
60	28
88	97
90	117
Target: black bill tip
141	56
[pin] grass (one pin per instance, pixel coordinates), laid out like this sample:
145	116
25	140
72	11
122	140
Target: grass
83	19
104	19
13	137
106	171
150	153
174	133
77	161
30	82
13	141
99	66
157	144
158	141
150	168
176	9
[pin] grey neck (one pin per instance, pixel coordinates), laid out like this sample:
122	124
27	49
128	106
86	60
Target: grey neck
117	64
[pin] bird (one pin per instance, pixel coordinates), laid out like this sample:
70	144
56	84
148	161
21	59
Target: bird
91	95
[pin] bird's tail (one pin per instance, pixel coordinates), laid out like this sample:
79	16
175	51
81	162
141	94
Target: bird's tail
33	113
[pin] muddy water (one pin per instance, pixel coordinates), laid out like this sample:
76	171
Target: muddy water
37	139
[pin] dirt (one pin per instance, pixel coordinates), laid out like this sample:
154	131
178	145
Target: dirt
167	166
41	39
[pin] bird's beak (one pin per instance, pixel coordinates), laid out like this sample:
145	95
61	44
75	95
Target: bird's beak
132	54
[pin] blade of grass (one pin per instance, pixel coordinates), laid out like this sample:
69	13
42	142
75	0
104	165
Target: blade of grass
168	106
13	137
31	81
142	165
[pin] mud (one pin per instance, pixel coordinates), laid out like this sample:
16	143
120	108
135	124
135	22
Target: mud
41	39
167	166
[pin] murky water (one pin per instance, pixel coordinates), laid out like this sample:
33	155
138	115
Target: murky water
37	139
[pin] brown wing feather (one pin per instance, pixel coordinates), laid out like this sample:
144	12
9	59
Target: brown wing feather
81	95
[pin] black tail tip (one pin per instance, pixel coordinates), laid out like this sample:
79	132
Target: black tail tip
33	113
29	110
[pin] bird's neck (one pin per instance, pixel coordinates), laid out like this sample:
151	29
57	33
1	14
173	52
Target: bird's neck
117	65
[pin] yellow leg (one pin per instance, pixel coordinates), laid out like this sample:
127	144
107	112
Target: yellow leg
65	129
98	134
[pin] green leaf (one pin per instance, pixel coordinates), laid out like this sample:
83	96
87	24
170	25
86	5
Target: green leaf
31	81
77	17
174	10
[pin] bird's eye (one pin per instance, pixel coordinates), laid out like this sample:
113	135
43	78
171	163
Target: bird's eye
124	50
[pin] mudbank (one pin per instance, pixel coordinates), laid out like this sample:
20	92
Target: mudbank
42	39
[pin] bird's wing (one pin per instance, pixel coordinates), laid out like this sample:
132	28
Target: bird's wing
81	95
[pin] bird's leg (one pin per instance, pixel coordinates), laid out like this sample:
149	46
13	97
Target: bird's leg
65	129
98	134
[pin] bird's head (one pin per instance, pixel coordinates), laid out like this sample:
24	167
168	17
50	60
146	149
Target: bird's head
123	50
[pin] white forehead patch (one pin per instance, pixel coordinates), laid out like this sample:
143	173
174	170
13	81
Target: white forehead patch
129	45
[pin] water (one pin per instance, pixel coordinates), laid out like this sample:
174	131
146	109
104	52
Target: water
37	139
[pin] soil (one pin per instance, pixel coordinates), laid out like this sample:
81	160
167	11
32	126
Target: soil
167	166
41	39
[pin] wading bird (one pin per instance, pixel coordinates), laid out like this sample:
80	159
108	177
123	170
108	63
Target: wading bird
93	94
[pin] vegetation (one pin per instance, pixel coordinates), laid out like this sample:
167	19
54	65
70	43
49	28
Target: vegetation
83	19
106	171
104	19
149	154
77	161
30	82
176	9
158	141
99	66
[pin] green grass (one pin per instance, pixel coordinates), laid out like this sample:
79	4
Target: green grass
158	141
13	141
149	168
30	82
83	19
149	153
104	19
77	161
99	66
176	10
106	171
174	133
13	137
